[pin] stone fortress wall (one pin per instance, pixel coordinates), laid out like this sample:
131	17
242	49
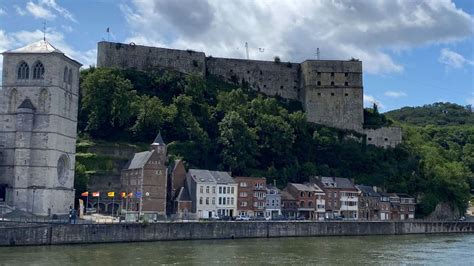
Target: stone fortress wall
331	91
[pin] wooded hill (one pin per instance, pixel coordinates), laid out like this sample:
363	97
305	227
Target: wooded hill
217	125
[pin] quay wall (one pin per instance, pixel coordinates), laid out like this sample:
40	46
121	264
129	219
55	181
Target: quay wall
59	234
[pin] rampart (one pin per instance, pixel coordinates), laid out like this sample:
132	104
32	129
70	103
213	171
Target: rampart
110	233
331	91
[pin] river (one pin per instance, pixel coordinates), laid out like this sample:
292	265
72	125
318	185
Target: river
405	249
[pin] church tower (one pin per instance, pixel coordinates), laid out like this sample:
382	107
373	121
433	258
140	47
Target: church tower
38	122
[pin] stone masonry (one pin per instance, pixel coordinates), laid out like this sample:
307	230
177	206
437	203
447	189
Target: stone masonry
38	119
331	91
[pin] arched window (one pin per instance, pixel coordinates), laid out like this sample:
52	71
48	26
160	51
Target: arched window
13	100
70	77
38	71
43	101
23	71
65	74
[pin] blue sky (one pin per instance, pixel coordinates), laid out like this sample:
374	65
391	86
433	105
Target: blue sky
414	52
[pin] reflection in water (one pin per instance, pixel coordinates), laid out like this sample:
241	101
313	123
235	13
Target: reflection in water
413	249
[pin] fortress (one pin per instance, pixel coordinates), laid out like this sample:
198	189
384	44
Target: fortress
331	91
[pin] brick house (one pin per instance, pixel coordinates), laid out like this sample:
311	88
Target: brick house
145	177
406	207
251	195
307	197
341	197
384	206
289	208
369	203
176	181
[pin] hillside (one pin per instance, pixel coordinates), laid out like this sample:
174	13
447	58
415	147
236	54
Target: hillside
217	125
441	114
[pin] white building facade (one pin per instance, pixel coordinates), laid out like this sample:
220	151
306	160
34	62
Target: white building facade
203	189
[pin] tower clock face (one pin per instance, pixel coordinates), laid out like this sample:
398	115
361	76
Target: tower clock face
63	169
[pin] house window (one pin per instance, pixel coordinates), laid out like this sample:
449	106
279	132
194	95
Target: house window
38	71
232	190
207	189
220	190
213	189
201	189
232	201
213	201
309	194
23	71
310	204
207	201
301	204
200	200
302	194
220	200
228	190
223	201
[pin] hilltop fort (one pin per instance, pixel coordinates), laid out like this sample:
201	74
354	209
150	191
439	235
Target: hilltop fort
331	91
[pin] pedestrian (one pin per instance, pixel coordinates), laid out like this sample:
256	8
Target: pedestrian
70	214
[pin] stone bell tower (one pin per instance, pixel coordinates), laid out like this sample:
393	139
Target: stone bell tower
38	121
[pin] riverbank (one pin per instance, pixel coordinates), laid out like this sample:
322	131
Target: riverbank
59	234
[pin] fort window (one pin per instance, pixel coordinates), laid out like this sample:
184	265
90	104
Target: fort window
332	93
346	83
346	94
346	74
319	83
23	70
332	83
386	139
38	71
319	94
281	87
332	74
264	86
369	139
261	73
248	71
319	74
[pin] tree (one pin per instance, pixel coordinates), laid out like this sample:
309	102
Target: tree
107	101
239	143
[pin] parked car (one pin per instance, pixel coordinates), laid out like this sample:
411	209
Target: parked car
280	218
257	218
242	218
300	218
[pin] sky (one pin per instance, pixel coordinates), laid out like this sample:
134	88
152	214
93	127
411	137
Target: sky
413	52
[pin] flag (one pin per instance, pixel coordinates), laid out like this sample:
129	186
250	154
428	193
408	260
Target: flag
130	195
95	194
123	194
85	194
138	194
111	194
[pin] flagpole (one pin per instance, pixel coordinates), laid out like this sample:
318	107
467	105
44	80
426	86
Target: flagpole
113	201
87	201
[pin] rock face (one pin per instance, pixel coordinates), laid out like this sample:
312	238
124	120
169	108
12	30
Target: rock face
444	211
38	121
331	91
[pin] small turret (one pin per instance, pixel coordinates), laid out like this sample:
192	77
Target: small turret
158	144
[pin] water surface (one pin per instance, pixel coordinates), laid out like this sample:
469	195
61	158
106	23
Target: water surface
455	249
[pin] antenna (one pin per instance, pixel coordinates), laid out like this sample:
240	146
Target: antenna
44	31
317	54
247	50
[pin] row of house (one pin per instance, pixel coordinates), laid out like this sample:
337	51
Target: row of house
171	190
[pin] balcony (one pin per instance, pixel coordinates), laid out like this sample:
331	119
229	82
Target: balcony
349	208
349	199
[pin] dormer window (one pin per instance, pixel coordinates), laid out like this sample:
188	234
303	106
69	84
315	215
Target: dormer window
38	71
23	71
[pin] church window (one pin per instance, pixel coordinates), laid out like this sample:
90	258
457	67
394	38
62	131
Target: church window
43	100
63	169
70	77
23	70
13	100
65	74
38	71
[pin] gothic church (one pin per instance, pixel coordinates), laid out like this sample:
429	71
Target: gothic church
38	120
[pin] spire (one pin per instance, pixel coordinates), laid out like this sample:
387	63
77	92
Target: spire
158	140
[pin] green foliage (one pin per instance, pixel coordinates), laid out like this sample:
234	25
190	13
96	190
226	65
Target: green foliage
442	114
81	178
215	125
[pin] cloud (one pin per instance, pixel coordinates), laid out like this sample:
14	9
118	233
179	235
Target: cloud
395	94
45	9
453	59
38	11
368	30
369	100
19	10
2	12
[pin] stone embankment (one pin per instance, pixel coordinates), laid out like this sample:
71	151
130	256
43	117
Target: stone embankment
58	234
